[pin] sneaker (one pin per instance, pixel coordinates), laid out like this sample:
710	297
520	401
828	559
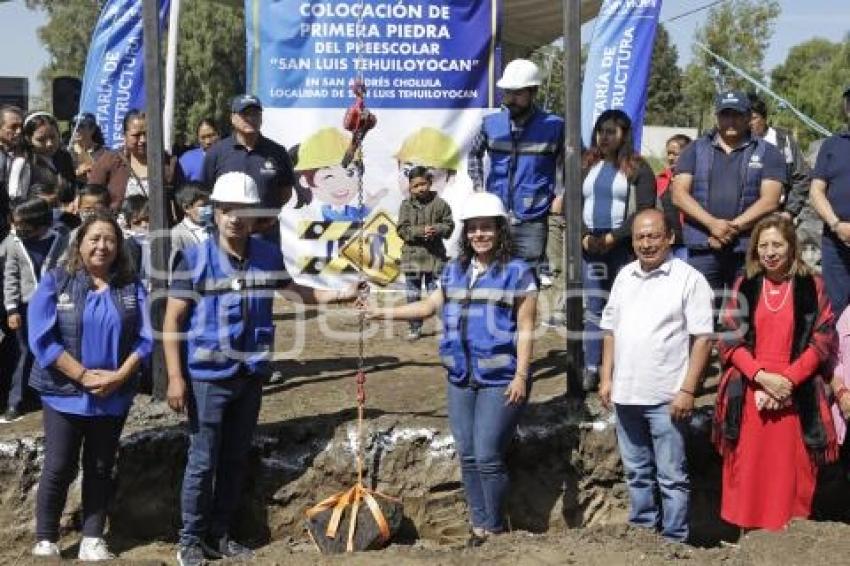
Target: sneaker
226	547
190	555
11	415
414	335
45	548
93	549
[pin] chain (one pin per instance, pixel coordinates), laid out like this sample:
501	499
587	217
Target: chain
361	279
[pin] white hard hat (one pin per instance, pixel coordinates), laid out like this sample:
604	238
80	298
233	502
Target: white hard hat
520	73
483	205
235	187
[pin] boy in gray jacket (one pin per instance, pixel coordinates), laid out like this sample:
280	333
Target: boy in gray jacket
30	251
424	220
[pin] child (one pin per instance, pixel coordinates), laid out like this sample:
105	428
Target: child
137	215
194	201
32	250
424	220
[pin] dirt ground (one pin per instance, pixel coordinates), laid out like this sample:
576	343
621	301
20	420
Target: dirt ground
320	358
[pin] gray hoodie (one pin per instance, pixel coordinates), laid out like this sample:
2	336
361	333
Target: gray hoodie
19	277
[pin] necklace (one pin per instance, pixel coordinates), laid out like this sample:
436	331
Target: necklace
765	292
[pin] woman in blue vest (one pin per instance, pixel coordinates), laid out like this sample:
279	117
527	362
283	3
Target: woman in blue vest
488	303
617	184
89	331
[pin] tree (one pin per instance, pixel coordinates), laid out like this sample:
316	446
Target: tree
210	62
665	101
740	32
66	36
811	78
550	95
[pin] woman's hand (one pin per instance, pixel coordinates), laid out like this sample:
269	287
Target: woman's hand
516	391
764	402
103	382
777	386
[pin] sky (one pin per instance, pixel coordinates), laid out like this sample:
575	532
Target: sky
800	21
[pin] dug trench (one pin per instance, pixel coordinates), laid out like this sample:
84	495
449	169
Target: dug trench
564	465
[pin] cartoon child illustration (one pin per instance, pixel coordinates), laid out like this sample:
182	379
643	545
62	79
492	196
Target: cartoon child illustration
321	176
428	147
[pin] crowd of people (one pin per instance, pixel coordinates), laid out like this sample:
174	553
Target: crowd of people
704	256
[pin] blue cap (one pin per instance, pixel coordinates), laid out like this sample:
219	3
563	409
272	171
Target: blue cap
244	101
732	100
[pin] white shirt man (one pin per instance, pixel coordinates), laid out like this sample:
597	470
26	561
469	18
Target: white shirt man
658	306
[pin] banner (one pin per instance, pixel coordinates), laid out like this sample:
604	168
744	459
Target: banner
616	75
114	77
430	68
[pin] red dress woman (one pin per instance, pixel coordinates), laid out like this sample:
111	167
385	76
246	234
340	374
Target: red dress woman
772	424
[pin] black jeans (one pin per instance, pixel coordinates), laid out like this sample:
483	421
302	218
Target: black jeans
64	434
19	384
222	419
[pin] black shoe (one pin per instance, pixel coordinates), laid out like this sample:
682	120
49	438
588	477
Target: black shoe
190	555
225	547
590	379
474	540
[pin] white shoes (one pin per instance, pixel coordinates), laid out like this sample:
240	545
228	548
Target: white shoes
94	548
45	548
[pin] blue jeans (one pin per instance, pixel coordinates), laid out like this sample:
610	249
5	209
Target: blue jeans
222	418
598	273
414	282
835	265
482	426
652	446
720	268
529	240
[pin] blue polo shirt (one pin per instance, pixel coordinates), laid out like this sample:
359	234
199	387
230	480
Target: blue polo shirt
192	163
833	167
725	182
268	164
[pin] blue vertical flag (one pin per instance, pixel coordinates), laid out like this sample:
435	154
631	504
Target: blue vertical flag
617	72
114	79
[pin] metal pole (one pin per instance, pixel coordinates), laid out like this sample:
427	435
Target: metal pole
171	71
160	246
572	195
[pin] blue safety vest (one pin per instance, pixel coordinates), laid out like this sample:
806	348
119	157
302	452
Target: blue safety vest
523	167
71	291
231	326
478	347
695	235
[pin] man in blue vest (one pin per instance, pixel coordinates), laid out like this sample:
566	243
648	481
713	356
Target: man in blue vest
830	194
525	145
223	289
725	182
